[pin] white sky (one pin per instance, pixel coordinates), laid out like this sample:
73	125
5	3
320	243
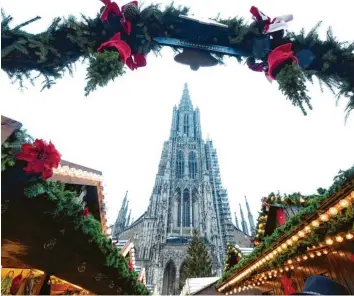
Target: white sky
263	142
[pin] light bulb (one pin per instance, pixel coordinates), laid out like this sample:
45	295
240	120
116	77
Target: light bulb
279	249
284	246
289	242
339	238
325	252
318	254
301	233
295	238
312	255
307	229
348	236
305	257
298	259
274	252
333	211
315	223
329	241
290	261
344	203
324	217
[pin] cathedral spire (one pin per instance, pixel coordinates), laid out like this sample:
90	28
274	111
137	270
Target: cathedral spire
120	223
128	220
186	102
236	221
250	219
243	222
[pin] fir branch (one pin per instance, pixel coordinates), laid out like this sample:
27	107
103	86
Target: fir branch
292	84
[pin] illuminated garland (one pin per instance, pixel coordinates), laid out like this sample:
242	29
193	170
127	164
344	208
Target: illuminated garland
344	178
233	256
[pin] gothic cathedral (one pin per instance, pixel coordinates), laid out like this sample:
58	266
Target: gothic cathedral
188	194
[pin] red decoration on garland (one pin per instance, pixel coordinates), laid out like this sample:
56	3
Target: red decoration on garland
281	218
121	46
287	284
15	285
86	211
278	56
112	7
131	267
136	60
41	158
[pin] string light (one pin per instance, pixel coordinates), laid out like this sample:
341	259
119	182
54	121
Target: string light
324	217
284	246
312	255
289	242
344	203
329	241
315	223
349	235
339	238
307	228
295	238
301	233
318	253
333	211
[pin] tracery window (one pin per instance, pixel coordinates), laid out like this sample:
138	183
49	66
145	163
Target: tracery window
179	165
192	164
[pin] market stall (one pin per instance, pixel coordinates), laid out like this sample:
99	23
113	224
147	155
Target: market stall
317	240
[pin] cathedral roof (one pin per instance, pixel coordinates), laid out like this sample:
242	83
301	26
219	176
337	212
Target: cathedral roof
186	102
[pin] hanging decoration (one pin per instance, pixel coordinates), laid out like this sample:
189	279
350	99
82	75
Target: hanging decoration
41	158
287	285
7	282
265	44
233	256
86	212
15	285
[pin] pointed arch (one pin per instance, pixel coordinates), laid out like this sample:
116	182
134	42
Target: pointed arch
186	208
180	164
192	164
169	279
186	124
183	274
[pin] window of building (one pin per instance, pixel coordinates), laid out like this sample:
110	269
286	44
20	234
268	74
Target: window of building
180	165
192	164
186	125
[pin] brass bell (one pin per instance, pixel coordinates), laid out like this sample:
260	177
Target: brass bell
195	59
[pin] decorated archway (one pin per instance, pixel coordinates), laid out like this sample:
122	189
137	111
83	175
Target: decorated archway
126	35
169	279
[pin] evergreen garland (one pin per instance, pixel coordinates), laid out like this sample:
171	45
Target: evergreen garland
341	222
63	205
55	50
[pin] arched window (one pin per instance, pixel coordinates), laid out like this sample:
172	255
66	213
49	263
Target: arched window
186	125
186	209
180	165
192	164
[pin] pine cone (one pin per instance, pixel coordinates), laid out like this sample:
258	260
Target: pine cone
130	12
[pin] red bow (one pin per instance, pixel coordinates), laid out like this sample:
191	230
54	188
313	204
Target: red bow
278	56
136	60
86	212
121	46
281	219
112	7
287	284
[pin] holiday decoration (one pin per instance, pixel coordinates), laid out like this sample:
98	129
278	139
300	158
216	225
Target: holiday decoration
233	256
322	226
264	43
287	284
86	212
6	283
281	219
41	158
15	285
121	46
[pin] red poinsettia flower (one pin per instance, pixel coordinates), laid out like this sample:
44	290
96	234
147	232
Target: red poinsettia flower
41	158
86	212
136	60
121	46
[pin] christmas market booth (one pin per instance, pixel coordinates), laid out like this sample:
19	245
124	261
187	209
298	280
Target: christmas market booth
55	240
298	237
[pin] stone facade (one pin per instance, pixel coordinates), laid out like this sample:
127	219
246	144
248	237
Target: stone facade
187	194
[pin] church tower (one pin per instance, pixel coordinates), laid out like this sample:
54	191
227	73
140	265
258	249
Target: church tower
243	222
122	222
187	194
250	219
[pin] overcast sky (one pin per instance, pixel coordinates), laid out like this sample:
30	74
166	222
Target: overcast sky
264	144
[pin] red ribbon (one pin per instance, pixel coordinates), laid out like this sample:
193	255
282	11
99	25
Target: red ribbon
112	7
121	46
287	284
279	55
136	60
